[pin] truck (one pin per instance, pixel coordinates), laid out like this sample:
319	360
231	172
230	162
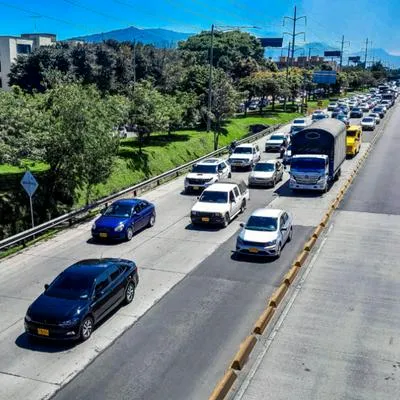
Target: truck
318	153
220	203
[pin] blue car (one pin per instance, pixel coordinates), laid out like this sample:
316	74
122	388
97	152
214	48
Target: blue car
80	297
123	218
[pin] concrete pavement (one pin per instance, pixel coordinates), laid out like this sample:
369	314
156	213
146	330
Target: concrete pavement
338	336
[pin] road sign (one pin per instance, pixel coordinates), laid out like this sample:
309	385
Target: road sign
333	53
326	77
29	183
271	42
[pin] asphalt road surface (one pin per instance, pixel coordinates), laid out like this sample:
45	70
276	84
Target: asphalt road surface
338	337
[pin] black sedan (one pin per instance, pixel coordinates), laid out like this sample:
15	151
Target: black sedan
356	112
81	296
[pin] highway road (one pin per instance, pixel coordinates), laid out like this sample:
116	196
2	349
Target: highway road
338	337
193	306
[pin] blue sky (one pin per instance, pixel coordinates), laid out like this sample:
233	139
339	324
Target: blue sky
327	20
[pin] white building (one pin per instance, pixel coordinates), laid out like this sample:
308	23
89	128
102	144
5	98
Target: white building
13	46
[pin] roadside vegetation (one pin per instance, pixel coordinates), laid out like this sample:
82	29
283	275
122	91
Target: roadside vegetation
69	104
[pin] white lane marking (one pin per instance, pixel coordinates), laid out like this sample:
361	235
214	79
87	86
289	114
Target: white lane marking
245	384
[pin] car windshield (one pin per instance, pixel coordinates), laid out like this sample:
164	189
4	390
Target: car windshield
210	196
319	116
265	167
277	137
266	224
378	109
204	169
308	164
368	120
299	121
119	210
356	109
243	150
351	133
70	286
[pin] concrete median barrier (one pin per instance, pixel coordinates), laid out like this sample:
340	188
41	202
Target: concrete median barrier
263	320
291	274
244	351
277	296
224	385
310	244
300	260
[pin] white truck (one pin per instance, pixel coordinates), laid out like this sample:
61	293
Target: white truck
245	156
220	203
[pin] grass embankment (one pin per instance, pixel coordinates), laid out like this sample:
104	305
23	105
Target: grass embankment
31	165
163	152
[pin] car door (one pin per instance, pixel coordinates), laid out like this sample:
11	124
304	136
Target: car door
101	297
138	217
117	285
285	226
233	203
146	212
238	202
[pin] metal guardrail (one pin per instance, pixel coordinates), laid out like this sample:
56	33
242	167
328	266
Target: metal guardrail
155	181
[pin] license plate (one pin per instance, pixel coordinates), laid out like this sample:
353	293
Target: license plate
253	250
205	219
103	234
195	188
43	332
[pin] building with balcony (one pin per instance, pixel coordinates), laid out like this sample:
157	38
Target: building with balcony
13	46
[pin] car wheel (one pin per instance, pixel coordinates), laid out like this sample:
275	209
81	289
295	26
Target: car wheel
226	220
230	175
278	251
129	234
152	220
274	183
289	239
129	292
86	328
243	207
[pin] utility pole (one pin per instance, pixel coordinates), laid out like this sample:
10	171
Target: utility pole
134	62
366	54
293	34
341	51
287	61
210	79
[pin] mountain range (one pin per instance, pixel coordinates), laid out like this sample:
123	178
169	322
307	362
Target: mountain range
165	38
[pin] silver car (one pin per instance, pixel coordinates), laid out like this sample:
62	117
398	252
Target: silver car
266	173
265	233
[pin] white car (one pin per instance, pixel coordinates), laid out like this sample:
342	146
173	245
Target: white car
275	141
245	156
368	123
376	116
266	173
207	172
265	233
332	106
299	124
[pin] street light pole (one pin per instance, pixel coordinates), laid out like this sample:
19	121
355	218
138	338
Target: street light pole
210	80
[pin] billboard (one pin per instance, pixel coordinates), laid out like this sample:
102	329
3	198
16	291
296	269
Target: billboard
355	59
335	53
271	42
325	77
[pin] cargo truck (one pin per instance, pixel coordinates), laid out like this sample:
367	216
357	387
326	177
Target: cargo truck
318	153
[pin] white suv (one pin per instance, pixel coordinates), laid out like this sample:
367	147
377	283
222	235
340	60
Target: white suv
207	172
245	156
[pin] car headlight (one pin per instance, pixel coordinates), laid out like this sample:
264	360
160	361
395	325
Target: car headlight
239	240
218	215
271	243
194	213
94	226
321	178
70	322
119	228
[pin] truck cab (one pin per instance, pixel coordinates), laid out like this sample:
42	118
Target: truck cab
353	140
309	172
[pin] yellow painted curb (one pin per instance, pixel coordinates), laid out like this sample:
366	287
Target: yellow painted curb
289	277
277	296
301	258
310	244
318	230
263	320
224	385
244	351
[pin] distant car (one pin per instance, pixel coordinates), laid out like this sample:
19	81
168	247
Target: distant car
318	117
386	103
253	105
318	112
332	106
343	118
380	111
345	109
365	107
123	218
376	116
265	233
298	124
368	123
245	156
266	173
275	141
207	172
336	112
356	113
80	297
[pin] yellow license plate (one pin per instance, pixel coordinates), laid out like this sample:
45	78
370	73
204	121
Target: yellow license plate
253	250
205	219
195	188
43	332
103	234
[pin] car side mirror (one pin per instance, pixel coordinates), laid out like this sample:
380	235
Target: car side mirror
103	210
242	224
46	286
